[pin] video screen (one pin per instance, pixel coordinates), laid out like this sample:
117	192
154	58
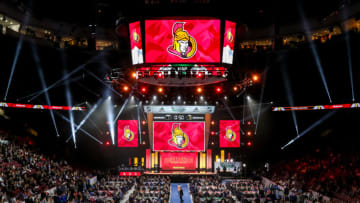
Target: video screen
136	44
182	41
229	133
179	136
128	133
178	160
229	39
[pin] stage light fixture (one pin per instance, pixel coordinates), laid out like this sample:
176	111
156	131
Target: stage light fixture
179	97
249	122
125	88
218	89
212	133
201	97
143	89
107	143
248	97
249	144
199	90
143	122
200	75
133	75
225	97
160	90
255	78
154	97
235	88
249	133
184	102
212	122
144	132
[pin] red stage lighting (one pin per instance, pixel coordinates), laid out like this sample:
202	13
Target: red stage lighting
255	78
160	75
248	133
144	132
249	122
125	88
199	90
218	89
212	133
249	144
143	89
200	75
107	143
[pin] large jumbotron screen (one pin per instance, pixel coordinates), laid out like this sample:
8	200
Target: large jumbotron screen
182	41
179	136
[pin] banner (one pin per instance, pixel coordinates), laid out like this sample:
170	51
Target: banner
179	136
128	133
178	160
182	41
229	133
229	39
136	44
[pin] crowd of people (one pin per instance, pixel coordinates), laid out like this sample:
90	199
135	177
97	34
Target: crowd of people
151	189
27	176
333	175
209	189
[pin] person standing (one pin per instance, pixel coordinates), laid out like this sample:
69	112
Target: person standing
181	193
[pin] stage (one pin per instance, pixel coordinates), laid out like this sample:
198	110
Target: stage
185	173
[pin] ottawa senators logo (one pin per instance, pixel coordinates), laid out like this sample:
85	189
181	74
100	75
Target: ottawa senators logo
128	134
229	36
136	36
230	134
184	45
179	139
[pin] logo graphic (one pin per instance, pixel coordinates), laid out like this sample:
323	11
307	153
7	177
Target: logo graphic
230	134
179	139
184	45
136	37
128	134
229	36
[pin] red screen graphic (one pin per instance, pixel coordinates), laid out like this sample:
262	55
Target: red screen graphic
229	38
229	133
179	136
135	42
178	160
182	41
128	133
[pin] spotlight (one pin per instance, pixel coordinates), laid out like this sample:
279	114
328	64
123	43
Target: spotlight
125	88
212	133
249	133
195	102
174	102
143	142
212	122
154	97
143	89
218	89
200	75
255	78
248	97
205	102
143	122
133	75
179	97
160	75
225	97
249	122
201	97
249	144
184	102
235	88
107	143
160	90
199	90
212	143
144	132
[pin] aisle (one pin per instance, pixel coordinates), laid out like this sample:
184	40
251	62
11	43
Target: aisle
174	194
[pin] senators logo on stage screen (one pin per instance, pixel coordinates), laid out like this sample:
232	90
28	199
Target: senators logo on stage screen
127	133
182	41
179	136
228	48
229	133
136	44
